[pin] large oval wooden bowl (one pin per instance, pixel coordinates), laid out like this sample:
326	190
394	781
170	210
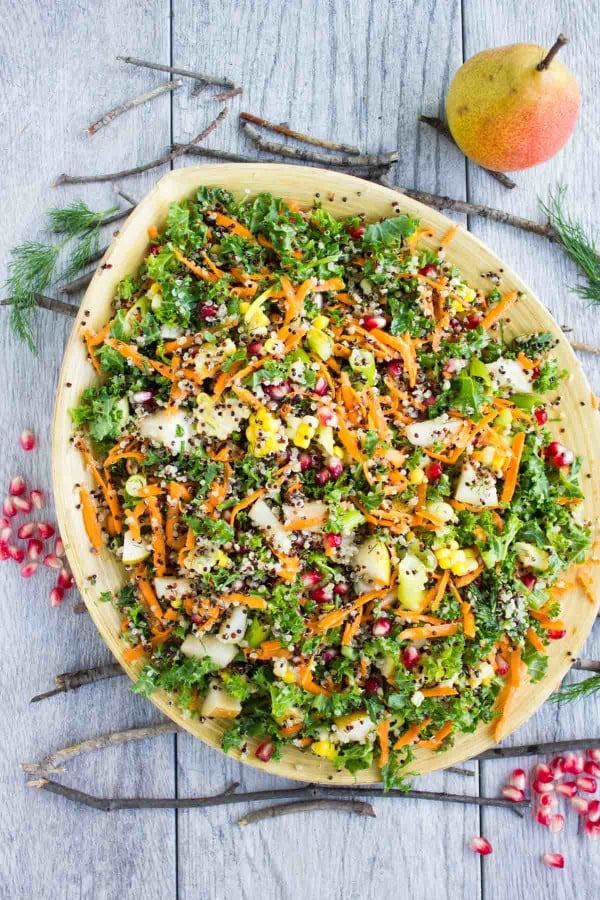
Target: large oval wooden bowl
342	195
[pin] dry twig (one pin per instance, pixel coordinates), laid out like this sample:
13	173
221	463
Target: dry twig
186	73
368	160
443	129
299	136
108	117
285	809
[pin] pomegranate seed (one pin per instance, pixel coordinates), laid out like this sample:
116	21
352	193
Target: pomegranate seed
335	466
501	665
206	311
255	348
321	387
544	773
566	789
322	477
142	397
52	561
593	753
22	504
59	547
35	548
155	249
65	580
357	232
557	823
277	391
26	530
473	321
372	685
4	523
594	811
265	751
311	577
29	569
529	580
580	805
430	271
371	322
27	440
535	373
306	461
326	416
518	779
542	817
556	634
410	657
328	654
587	784
592	768
37	498
481	845
17	486
5	533
16	553
332	541
381	627
45	530
513	793
592	830
320	595
541	416
8	507
559	455
395	368
4	551
547	800
558	766
554	860
57	595
540	787
574	763
434	471
341	589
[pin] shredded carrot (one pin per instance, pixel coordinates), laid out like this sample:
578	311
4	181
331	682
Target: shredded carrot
441	690
468	620
449	235
512	472
249	600
90	519
440	590
301	524
103	482
134	653
234	227
383	733
527	364
351	629
290	730
499	309
158	536
269	650
535	640
411	734
464	580
506	697
587	584
149	597
404	346
435	742
428	632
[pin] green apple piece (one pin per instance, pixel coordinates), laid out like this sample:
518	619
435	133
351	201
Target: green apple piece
320	343
372	559
256	634
233	627
531	556
134	551
509	373
218	652
476	487
264	518
170	589
412	578
173	430
218	704
433	431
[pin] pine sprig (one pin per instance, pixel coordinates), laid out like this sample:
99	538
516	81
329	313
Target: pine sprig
32	265
578	690
578	245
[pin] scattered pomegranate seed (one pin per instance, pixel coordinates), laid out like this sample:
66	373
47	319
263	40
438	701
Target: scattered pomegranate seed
255	348
593	753
554	860
566	788
5	533
518	779
326	416
371	322
559	455
37	498
265	751
29	569
142	397
16	553
52	561
592	830
501	665
481	845
27	439
381	627
22	504
544	773
372	685
320	595
321	387
322	477
328	654
57	595
357	232
574	763
311	577
592	768
594	811
395	368
580	805
306	461
65	580
558	766
556	634
4	523
4	551
35	548
542	817
410	657
17	486
535	373
8	507
434	471
529	580
473	321
540	787
541	416
332	541
59	547
513	793
547	800
587	784
206	311
277	391
46	530
335	466
557	823
429	271
341	589
26	530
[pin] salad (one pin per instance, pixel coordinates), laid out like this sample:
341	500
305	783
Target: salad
328	476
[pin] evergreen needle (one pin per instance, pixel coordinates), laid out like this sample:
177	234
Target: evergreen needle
578	245
578	690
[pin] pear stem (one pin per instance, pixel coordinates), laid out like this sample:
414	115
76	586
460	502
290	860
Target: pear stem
560	41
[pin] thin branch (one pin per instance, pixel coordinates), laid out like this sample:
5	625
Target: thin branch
560	41
77	285
72	681
53	762
585	348
458	770
587	665
443	129
116	217
79	608
370	160
168	157
215	153
108	117
127	197
548	748
310	792
187	73
225	95
285	809
299	136
58	306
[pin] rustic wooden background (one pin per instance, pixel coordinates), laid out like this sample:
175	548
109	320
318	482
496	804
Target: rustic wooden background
360	71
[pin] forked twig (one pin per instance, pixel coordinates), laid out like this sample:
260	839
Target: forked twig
369	160
299	136
187	73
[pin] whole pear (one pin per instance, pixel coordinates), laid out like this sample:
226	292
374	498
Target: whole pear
513	107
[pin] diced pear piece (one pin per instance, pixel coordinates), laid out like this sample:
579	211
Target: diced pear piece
264	518
477	488
220	420
412	578
532	556
433	431
134	551
372	560
209	355
509	373
173	430
219	653
218	704
355	726
172	588
234	625
313	509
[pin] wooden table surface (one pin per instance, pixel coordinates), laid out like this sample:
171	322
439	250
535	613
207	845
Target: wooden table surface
358	71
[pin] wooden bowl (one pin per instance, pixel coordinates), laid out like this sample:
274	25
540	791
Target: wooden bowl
342	195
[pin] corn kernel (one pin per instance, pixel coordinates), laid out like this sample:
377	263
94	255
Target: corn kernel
417	476
263	434
320	322
324	748
305	432
244	306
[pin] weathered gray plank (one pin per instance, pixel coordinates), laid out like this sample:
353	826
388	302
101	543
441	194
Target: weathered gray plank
57	72
515	866
357	73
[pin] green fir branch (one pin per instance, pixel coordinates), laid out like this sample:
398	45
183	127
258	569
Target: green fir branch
577	691
580	246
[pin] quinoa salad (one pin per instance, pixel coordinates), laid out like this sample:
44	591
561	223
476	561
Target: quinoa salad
343	519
